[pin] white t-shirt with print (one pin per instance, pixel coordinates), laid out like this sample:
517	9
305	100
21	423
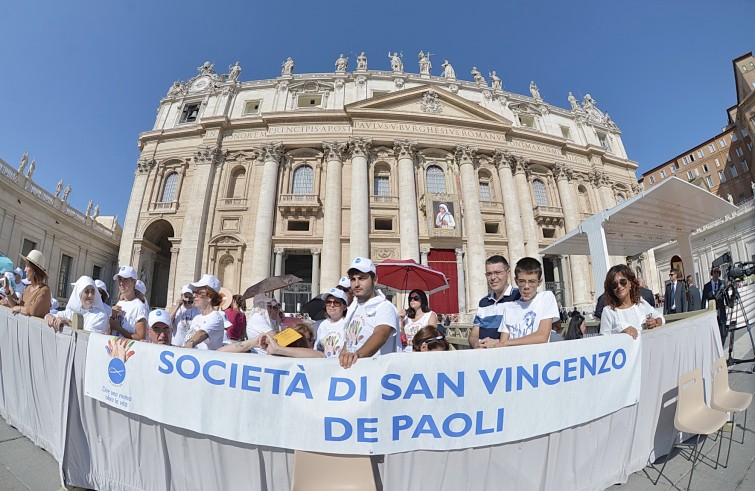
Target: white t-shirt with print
330	336
182	323
615	321
133	311
523	318
363	318
413	327
214	325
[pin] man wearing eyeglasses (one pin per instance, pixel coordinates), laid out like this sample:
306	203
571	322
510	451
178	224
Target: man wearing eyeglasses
490	309
675	298
159	331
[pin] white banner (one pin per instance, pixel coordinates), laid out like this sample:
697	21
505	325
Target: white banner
388	404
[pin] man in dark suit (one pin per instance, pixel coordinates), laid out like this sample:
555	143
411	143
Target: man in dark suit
675	298
715	289
693	295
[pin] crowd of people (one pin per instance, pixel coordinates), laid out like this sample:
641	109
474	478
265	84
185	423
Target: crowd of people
359	320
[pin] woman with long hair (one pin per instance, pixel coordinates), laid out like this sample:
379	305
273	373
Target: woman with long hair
36	299
429	338
576	328
625	309
207	328
237	317
418	315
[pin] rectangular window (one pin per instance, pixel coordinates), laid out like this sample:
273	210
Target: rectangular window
189	114
705	168
733	171
485	191
691	158
722	143
709	181
663	174
378	93
690	175
384	224
745	167
700	153
565	132
711	148
674	167
28	246
728	157
252	107
685	160
527	121
739	152
744	132
491	227
697	172
603	139
721	176
749	146
718	164
381	186
309	101
652	179
96	272
549	233
298	225
733	137
64	277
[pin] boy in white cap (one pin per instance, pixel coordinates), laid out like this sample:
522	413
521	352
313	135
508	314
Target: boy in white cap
182	312
371	321
20	285
159	327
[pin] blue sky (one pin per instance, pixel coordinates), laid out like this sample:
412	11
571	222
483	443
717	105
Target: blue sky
82	79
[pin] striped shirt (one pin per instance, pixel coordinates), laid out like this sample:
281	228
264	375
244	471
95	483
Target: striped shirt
490	312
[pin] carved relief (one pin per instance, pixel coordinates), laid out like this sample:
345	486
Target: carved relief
384	253
430	103
359	147
562	171
270	152
465	154
334	150
404	149
210	154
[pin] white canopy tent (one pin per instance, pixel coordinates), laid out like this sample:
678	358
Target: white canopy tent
672	210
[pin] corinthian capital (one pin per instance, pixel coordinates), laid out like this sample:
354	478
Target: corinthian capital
359	147
501	157
270	152
519	164
465	154
210	154
334	150
598	178
562	171
404	149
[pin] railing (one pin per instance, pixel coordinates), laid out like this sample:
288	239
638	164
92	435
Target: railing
164	206
8	172
234	202
75	214
491	206
309	199
389	200
40	193
547	210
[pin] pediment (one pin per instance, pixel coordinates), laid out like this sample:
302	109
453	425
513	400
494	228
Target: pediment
426	101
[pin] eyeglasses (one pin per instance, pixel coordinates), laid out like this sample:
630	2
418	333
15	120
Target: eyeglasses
622	282
274	307
495	273
332	302
414	298
201	293
161	330
522	282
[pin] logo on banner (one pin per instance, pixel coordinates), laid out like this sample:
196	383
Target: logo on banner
120	350
116	371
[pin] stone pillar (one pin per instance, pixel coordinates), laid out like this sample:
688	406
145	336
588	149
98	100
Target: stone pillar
520	167
359	239
174	289
460	281
579	272
130	223
278	269
270	154
316	272
473	227
407	199
331	241
423	255
511	210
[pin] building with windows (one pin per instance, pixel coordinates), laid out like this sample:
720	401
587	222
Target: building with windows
74	243
300	173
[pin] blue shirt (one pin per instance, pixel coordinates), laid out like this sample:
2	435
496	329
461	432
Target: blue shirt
490	312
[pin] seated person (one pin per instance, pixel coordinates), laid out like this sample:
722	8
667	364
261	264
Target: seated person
429	338
36	299
84	300
160	331
576	328
529	319
207	329
626	311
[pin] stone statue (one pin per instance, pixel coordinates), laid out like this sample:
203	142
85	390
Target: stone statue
495	80
32	166
235	72
424	63
534	91
362	61
341	64
206	68
730	198
66	192
448	70
58	188
89	208
588	102
573	102
477	75
176	89
396	64
96	211
287	68
24	161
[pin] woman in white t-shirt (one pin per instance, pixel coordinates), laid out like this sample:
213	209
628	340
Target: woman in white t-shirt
207	328
330	331
625	309
418	315
129	317
84	300
265	316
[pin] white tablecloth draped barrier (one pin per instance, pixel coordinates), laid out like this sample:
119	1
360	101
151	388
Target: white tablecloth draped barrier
103	447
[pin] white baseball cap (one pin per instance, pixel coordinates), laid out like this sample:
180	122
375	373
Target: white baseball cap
10	275
159	315
140	287
19	271
102	286
126	272
207	280
363	264
54	304
335	292
186	289
344	282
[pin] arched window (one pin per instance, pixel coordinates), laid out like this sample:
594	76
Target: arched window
381	183
169	188
303	178
541	196
436	180
484	180
237	183
226	270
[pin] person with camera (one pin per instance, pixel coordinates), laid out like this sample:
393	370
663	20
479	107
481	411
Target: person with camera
715	289
182	312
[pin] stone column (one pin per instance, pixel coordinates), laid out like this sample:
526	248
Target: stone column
278	269
331	239
462	291
359	239
473	228
270	154
130	223
520	167
423	255
407	199
579	272
316	272
512	213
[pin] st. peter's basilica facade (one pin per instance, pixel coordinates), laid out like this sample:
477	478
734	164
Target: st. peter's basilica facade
301	173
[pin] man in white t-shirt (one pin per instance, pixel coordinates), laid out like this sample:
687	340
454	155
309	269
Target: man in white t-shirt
182	312
529	319
372	321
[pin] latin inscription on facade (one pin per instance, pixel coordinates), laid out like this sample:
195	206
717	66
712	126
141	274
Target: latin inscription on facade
430	130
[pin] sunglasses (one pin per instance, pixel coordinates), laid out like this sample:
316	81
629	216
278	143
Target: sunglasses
274	307
622	282
432	340
414	298
332	302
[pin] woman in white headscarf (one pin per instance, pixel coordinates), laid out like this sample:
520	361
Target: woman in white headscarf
84	300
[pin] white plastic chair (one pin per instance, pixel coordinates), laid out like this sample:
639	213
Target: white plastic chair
329	472
727	400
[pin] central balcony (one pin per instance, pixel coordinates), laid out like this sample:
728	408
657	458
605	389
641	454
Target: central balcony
299	204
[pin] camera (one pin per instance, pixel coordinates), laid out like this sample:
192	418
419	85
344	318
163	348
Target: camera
739	270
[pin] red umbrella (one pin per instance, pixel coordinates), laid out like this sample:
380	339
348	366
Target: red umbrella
406	275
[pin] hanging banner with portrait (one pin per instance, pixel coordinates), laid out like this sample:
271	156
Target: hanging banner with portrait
444	220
